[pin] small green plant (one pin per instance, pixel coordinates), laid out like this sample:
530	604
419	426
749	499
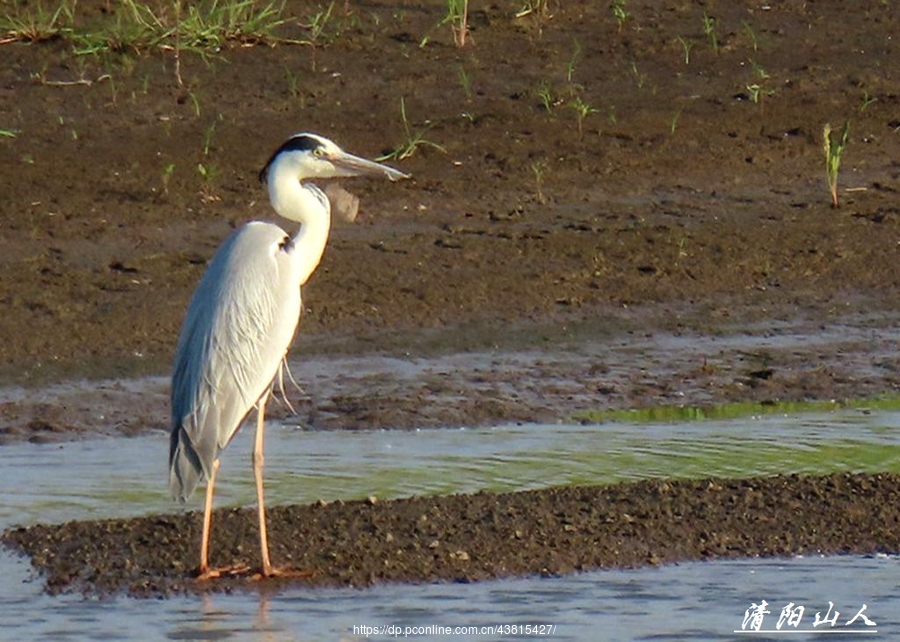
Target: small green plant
316	26
582	111
570	66
538	8
29	22
754	92
317	23
166	177
757	92
201	27
611	115
686	45
758	71
208	135
113	90
748	29
620	12
207	172
539	168
458	19
210	25
465	82
834	147
545	95
412	142
7	133
292	82
195	101
177	50
639	78
673	121
709	30
866	101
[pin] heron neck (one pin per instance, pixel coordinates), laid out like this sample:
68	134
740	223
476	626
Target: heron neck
310	240
306	204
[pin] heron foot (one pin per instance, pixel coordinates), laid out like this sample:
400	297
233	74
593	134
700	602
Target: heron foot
282	572
204	575
243	570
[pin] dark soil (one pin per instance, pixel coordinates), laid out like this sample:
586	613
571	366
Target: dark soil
678	247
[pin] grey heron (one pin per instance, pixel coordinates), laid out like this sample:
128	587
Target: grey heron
242	319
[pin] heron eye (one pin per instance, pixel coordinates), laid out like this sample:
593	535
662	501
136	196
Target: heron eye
318	151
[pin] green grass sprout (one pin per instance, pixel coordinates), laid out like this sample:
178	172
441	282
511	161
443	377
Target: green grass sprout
458	18
545	95
673	121
202	27
538	8
619	11
539	168
709	30
748	29
834	147
413	141
866	101
570	66
33	23
582	111
686	45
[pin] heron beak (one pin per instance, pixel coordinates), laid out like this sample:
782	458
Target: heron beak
350	165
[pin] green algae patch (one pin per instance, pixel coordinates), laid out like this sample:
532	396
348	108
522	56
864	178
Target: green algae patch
732	410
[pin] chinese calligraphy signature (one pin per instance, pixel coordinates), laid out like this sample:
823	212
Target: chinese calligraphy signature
792	615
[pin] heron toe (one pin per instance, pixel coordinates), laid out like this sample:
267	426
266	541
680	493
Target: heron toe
282	572
223	571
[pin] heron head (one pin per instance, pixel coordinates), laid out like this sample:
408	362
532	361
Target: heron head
308	155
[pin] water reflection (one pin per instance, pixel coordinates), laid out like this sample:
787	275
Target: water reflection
692	601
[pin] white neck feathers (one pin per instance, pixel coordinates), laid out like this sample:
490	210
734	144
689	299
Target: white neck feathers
306	204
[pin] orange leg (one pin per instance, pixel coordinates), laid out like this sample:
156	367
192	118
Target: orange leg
205	573
258	462
207	519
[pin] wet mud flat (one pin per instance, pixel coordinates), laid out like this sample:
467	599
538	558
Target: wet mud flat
567	369
465	538
676	188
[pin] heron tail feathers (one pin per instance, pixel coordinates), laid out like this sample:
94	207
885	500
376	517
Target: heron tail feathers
185	469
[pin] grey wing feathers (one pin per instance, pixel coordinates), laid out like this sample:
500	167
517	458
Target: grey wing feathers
237	330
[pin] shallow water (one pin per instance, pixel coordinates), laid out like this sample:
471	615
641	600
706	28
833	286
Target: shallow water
695	601
120	477
123	477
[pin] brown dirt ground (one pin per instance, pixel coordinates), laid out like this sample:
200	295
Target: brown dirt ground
682	214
